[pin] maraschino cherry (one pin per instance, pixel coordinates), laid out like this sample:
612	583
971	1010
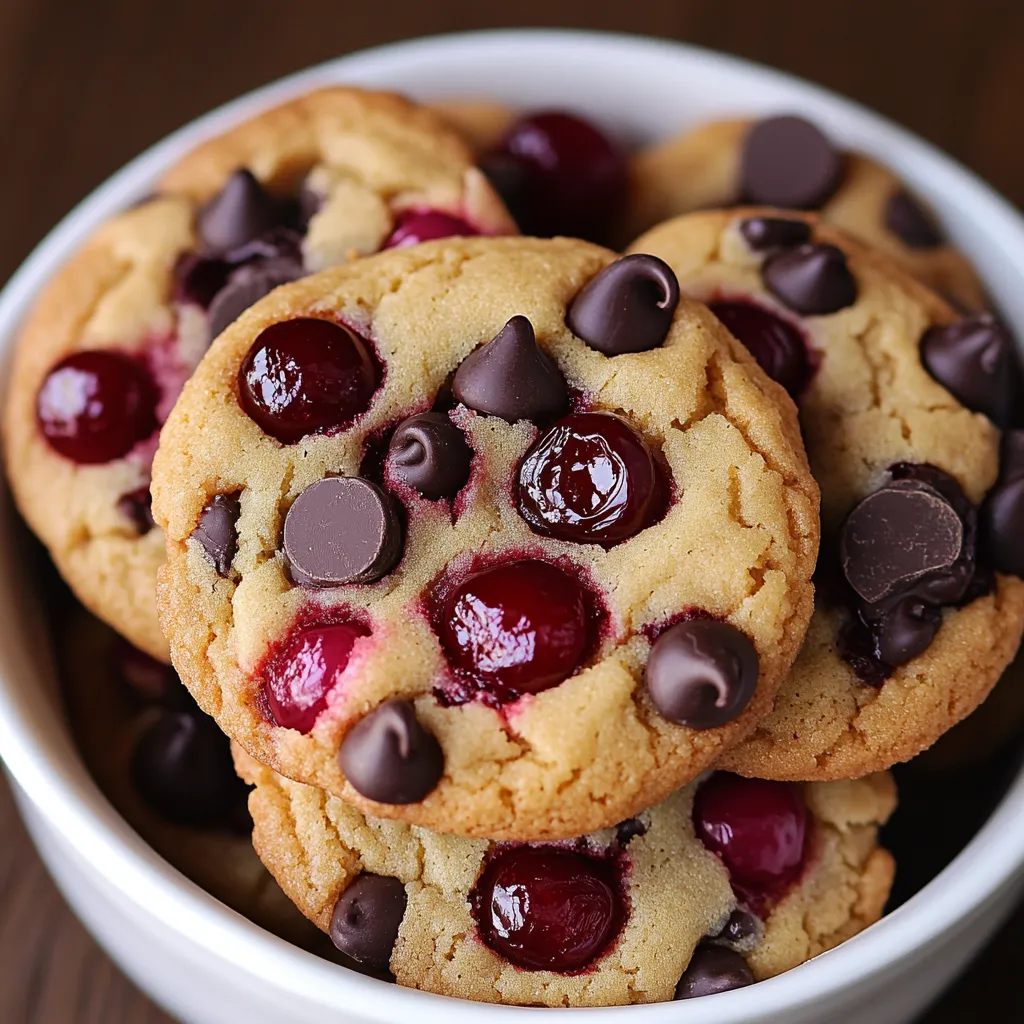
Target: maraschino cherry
415	226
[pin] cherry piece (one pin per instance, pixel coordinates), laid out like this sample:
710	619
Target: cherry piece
96	406
415	226
573	179
758	828
548	908
778	346
520	627
304	376
303	671
591	479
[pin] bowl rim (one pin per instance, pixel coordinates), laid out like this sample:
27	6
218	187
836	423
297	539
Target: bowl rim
52	778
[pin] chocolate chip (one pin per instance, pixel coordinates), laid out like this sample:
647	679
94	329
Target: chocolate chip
812	279
240	212
1002	514
344	529
713	969
429	453
247	285
976	360
906	630
512	378
906	218
764	234
628	830
701	673
741	927
788	162
215	530
896	536
149	680
197	279
138	507
366	919
309	203
627	307
390	757
182	769
279	243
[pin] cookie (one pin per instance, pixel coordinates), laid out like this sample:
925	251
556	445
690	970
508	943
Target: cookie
641	913
427	573
918	608
119	329
480	123
788	162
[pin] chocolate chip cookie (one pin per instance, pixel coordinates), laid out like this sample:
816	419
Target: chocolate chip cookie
116	333
724	883
431	514
919	602
788	162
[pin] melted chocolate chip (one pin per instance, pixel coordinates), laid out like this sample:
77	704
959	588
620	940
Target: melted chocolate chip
366	919
342	530
812	279
976	360
1002	515
741	927
915	226
627	307
713	969
240	212
390	757
215	530
628	830
763	234
512	378
701	673
138	507
247	285
430	454
788	162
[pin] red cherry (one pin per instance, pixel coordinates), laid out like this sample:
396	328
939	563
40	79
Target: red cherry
548	908
573	179
758	828
304	376
415	226
778	346
96	406
519	627
304	669
591	479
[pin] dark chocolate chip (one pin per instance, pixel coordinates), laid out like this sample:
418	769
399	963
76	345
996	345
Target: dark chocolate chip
788	162
390	757
181	767
896	536
366	920
741	927
344	529
246	285
240	212
713	969
627	307
430	454
812	279
906	630
279	242
1002	514
138	507
976	360
628	830
915	226
197	279
763	234
701	673
215	530
512	378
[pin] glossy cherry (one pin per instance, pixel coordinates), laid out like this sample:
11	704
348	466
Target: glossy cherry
572	180
591	479
415	226
519	627
758	828
304	669
304	376
96	406
778	346
548	908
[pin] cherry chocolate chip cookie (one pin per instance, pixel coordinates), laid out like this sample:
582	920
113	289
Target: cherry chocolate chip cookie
116	333
497	536
919	600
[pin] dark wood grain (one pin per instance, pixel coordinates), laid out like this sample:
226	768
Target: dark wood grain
86	86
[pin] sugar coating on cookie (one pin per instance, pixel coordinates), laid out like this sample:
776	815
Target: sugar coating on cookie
786	161
115	334
899	650
449	660
645	912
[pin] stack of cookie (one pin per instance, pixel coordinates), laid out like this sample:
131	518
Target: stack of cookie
497	557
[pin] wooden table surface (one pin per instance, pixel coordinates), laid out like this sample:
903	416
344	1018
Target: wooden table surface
86	86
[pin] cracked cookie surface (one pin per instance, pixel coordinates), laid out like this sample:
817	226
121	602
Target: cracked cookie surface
868	407
736	543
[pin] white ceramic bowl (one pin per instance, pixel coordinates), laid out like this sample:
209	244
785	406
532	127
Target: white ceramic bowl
206	964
